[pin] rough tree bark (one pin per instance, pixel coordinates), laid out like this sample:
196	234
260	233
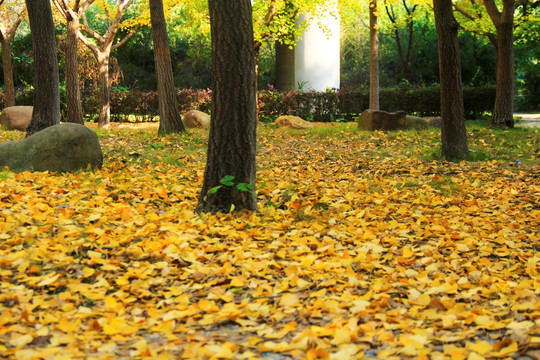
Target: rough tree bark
71	69
373	57
46	87
73	93
5	46
453	131
232	140
9	92
504	98
170	120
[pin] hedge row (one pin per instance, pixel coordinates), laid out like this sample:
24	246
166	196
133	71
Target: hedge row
344	105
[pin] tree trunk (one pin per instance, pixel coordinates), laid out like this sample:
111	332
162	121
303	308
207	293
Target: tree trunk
9	92
232	139
170	119
374	57
504	98
47	92
284	67
104	120
453	131
73	93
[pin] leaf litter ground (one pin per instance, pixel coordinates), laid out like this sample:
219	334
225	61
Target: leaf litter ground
363	248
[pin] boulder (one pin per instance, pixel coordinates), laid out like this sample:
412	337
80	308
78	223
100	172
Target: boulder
382	120
196	119
415	122
434	121
294	122
62	148
16	117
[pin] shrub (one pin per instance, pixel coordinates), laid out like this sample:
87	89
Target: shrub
343	105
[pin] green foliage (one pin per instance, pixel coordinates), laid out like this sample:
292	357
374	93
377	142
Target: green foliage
228	182
527	59
346	105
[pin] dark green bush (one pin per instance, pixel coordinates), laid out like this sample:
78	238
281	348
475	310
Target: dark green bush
344	105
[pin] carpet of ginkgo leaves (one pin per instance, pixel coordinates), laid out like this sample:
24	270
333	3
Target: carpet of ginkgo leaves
363	247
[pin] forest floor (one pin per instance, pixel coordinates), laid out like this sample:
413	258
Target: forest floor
366	245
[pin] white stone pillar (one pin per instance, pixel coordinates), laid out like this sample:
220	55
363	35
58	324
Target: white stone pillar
317	54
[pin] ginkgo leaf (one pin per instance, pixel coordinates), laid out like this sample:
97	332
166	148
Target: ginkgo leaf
289	299
48	280
361	248
118	326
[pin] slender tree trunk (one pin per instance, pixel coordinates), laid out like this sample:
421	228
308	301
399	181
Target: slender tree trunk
284	67
285	55
73	93
9	92
504	98
232	140
374	57
104	120
47	92
453	131
170	120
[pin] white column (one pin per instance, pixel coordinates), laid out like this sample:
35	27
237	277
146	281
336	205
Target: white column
317	54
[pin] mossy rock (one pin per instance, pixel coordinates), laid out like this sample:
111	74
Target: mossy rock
59	148
293	122
415	122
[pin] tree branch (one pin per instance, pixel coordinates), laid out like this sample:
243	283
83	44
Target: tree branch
493	11
93	47
90	31
13	29
464	13
126	38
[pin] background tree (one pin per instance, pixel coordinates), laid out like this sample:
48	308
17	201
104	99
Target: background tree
169	116
232	139
47	91
404	48
374	57
104	45
498	26
72	14
527	53
284	50
453	131
504	98
12	14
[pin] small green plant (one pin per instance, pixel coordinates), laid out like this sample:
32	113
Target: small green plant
4	174
228	181
301	84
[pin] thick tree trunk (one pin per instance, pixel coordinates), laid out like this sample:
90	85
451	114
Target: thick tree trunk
104	120
504	98
73	93
232	140
374	57
47	92
453	131
9	92
284	67
170	119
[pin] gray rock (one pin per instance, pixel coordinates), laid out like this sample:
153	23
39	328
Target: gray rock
196	119
434	121
382	120
16	117
415	122
292	121
62	148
